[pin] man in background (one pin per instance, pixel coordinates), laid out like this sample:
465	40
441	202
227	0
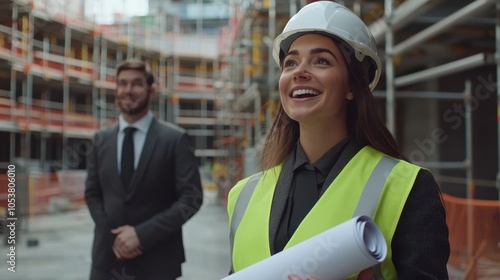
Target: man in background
142	185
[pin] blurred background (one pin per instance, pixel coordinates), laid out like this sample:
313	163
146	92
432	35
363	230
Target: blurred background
438	95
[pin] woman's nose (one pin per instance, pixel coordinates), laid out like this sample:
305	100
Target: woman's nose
301	72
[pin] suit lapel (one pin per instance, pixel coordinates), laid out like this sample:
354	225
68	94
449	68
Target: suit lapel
146	154
280	198
111	161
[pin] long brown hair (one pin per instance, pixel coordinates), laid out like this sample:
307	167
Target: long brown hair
363	120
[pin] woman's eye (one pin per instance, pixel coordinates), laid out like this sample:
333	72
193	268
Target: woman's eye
289	63
323	61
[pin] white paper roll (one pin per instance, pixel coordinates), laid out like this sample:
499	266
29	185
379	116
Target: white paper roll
341	251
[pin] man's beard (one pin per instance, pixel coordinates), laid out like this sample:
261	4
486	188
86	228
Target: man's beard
141	106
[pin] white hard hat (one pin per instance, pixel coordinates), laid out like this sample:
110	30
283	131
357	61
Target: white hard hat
331	18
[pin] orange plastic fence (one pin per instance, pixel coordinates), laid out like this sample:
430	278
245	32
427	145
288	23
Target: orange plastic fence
35	192
474	236
19	184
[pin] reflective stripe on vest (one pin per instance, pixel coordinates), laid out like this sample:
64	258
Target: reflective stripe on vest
241	206
364	200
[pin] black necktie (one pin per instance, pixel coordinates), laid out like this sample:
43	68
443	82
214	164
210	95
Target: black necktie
127	167
305	196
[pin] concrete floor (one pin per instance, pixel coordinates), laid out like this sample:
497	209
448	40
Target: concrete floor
63	252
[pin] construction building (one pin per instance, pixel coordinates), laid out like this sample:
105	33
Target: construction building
57	84
438	94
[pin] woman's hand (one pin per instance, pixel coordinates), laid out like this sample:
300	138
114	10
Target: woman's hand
366	274
295	277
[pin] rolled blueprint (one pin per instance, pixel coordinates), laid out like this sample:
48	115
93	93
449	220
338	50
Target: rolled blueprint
336	253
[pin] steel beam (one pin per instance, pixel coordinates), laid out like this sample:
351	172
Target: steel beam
444	69
446	23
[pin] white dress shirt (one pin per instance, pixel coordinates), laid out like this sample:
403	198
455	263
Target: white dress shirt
140	134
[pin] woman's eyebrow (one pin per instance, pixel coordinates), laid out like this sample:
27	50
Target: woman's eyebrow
321	50
313	51
292	52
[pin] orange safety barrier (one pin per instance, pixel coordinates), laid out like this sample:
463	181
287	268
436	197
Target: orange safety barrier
44	116
19	187
5	52
36	192
191	86
5	109
474	237
56	62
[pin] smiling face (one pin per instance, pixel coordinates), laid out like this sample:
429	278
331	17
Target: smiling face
132	93
314	85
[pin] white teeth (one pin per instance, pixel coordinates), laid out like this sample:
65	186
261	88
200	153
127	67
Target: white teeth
301	92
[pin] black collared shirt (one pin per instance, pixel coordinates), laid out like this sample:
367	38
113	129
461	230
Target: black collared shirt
322	168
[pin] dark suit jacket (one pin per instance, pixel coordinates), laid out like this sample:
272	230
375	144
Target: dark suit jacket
164	193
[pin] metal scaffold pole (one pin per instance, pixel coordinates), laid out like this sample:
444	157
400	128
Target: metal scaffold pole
96	100
66	101
13	84
470	192
28	49
270	69
102	77
389	70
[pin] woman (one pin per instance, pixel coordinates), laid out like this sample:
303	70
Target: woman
325	142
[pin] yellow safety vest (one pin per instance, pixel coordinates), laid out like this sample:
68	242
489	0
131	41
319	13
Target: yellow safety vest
341	201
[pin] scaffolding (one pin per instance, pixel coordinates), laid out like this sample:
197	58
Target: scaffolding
427	46
57	73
